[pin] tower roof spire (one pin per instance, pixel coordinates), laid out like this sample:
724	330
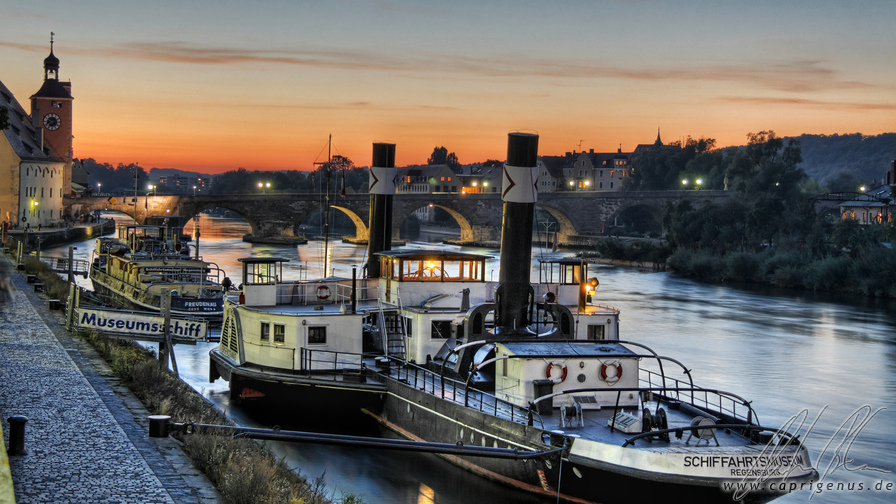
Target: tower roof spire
51	62
658	141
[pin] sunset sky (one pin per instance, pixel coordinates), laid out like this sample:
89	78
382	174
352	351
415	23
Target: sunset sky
211	86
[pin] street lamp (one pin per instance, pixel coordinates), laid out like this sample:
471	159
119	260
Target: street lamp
194	190
699	182
99	187
264	186
684	182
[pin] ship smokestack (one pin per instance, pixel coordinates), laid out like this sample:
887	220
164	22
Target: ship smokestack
381	189
519	195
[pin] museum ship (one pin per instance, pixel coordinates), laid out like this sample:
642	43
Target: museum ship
133	268
432	351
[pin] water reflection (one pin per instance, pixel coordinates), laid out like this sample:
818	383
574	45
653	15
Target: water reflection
785	351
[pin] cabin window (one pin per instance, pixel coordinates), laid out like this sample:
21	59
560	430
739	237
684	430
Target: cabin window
279	333
408	327
265	331
597	332
441	329
317	335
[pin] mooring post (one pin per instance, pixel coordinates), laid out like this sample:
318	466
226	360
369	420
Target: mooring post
16	435
168	344
71	260
158	426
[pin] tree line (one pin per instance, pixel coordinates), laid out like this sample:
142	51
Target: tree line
769	230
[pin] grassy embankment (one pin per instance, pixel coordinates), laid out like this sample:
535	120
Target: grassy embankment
242	470
867	273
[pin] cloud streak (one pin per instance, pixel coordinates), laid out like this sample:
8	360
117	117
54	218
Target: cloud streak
797	76
790	76
828	105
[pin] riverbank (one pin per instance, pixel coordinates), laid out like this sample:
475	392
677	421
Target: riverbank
45	237
242	470
85	438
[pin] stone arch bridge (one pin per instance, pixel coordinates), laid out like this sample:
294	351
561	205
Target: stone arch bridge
578	214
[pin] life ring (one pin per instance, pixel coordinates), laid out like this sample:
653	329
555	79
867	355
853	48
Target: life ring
323	292
547	372
617	371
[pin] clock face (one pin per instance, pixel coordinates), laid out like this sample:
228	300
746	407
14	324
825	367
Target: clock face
52	122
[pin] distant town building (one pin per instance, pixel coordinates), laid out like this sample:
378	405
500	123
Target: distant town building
482	178
865	211
36	152
584	171
182	184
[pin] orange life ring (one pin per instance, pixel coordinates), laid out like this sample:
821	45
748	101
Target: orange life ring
323	292
617	371
547	372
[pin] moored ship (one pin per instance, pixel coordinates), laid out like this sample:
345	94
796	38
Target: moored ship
439	354
133	268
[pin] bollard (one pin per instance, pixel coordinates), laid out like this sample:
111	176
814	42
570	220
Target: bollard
16	435
158	426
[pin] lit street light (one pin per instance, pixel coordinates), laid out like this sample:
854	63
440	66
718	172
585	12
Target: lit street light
194	190
264	186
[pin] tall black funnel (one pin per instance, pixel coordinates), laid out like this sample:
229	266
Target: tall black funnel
519	195
382	190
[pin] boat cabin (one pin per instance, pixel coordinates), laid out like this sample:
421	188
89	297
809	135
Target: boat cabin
417	277
526	370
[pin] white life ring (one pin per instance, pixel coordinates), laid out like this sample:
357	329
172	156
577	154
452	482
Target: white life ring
323	292
563	371
616	374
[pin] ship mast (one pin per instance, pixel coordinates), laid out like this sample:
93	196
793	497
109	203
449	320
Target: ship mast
327	208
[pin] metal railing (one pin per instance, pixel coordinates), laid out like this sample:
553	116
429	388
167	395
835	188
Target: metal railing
457	392
711	400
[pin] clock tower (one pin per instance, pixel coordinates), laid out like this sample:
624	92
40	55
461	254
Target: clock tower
51	115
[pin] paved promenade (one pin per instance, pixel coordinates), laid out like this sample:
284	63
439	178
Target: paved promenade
86	437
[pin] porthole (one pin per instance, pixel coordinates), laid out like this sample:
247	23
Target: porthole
581	378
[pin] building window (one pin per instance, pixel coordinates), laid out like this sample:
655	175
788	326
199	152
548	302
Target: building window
611	185
279	333
265	331
317	335
612	172
600	185
601	173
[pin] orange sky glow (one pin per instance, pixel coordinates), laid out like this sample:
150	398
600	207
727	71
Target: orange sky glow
172	85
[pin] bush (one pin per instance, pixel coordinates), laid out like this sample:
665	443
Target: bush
742	267
828	274
787	276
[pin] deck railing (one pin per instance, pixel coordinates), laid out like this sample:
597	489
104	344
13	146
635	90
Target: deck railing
712	400
457	391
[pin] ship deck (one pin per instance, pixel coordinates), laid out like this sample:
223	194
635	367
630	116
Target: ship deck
594	423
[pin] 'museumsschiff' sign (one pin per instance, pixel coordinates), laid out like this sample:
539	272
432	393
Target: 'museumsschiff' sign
139	324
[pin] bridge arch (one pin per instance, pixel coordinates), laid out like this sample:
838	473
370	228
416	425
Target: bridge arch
361	230
567	228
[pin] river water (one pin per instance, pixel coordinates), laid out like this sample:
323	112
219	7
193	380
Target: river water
828	361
